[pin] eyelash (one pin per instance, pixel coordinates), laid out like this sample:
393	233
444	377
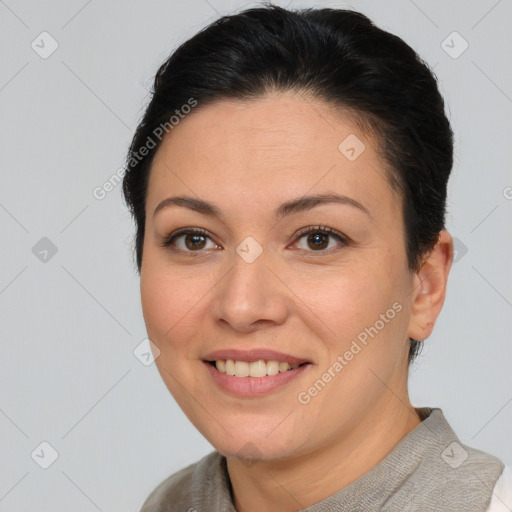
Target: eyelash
169	240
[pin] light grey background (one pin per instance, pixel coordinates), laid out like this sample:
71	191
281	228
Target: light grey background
70	324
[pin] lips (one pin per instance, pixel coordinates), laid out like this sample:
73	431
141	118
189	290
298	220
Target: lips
250	356
233	370
252	387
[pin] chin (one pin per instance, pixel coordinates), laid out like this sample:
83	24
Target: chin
254	440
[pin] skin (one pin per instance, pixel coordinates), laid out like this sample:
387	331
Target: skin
248	158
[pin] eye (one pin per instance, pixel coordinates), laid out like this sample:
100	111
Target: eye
317	239
187	240
194	240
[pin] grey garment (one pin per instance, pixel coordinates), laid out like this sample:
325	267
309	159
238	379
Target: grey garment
428	470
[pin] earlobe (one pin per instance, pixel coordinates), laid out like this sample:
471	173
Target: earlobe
430	287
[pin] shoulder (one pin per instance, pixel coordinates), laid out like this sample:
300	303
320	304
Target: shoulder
450	472
468	475
177	491
501	500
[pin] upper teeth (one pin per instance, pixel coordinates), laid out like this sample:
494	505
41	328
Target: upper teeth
255	369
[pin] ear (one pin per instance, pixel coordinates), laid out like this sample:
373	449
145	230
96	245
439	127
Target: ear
429	287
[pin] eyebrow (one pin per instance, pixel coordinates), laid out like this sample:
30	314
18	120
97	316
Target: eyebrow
294	206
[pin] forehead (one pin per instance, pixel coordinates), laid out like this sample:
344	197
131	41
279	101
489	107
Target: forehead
267	150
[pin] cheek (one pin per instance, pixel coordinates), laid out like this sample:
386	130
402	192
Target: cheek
171	310
367	317
164	301
347	302
175	306
155	299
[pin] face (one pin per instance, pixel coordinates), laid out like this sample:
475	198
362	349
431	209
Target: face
324	284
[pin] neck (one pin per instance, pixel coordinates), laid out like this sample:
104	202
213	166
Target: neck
289	485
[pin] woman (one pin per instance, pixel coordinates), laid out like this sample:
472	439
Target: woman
288	183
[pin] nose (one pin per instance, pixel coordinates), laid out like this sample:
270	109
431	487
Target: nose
250	296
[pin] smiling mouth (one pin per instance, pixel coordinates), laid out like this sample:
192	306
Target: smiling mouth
257	369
